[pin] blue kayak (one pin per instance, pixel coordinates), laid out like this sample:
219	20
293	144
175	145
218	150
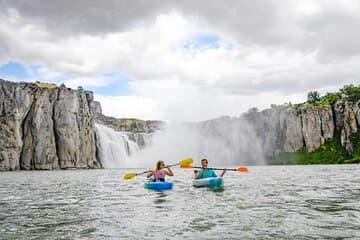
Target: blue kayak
212	182
158	186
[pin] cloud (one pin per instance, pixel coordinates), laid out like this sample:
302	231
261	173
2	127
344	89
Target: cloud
334	33
80	17
185	60
89	82
130	107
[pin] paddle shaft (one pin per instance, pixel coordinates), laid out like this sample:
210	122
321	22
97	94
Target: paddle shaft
227	169
172	165
149	170
182	162
143	172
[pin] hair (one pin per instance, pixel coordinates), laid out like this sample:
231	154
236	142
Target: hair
158	164
204	159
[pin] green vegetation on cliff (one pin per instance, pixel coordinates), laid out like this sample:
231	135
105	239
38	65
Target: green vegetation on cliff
332	151
347	93
329	153
355	139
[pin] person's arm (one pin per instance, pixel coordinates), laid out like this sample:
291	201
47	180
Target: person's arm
223	173
169	172
151	173
199	174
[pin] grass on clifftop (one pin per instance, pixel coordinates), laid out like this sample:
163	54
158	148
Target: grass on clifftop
330	153
45	85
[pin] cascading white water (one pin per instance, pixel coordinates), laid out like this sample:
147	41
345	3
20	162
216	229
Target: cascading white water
114	148
224	141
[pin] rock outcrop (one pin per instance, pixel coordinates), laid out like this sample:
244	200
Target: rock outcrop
45	128
288	129
347	118
279	129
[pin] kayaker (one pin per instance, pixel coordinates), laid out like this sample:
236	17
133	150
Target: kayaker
206	172
160	172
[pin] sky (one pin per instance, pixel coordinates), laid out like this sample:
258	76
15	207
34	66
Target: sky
183	60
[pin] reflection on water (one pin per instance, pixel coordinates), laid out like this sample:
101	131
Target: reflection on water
272	202
160	199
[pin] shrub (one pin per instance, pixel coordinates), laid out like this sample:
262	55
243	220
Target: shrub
350	93
313	96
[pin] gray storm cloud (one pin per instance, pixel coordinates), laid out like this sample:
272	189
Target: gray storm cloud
333	31
280	47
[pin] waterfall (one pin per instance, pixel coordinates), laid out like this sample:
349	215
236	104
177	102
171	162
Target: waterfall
114	148
224	142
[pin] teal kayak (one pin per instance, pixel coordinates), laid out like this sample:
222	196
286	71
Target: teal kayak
212	182
158	186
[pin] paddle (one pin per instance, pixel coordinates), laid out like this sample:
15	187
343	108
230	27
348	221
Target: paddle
239	169
184	162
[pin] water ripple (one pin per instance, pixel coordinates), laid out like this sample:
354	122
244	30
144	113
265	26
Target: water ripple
272	202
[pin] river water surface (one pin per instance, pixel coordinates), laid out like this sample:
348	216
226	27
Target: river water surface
269	202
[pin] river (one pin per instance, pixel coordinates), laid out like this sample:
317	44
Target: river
269	202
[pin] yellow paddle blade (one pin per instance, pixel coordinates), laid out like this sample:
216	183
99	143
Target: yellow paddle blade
186	166
186	161
242	169
129	176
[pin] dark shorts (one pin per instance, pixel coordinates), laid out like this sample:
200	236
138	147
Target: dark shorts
159	180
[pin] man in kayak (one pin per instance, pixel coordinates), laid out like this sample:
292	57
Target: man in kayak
205	172
160	172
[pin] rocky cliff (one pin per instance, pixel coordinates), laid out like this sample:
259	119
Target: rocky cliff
288	128
45	127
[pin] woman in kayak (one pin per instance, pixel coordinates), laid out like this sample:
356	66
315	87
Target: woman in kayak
160	172
205	172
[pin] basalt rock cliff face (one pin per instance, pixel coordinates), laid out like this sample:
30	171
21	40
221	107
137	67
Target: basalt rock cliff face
288	129
45	128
